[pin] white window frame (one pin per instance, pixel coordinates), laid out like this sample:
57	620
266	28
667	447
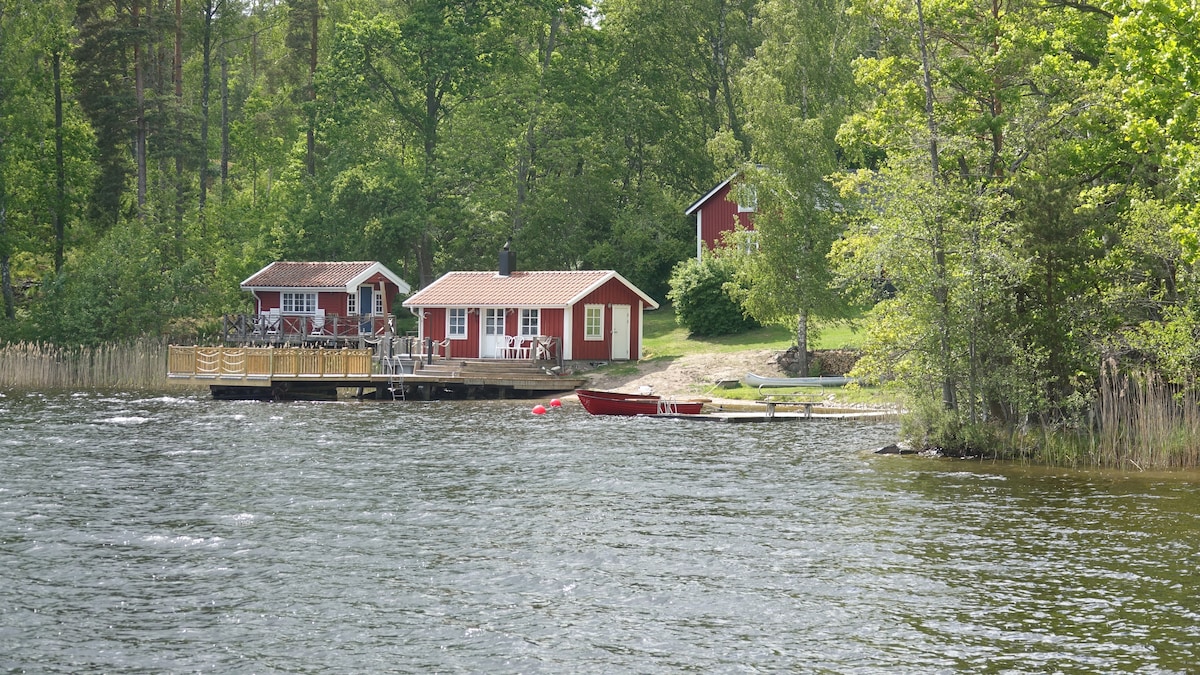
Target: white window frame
598	324
531	320
352	303
377	298
297	302
453	314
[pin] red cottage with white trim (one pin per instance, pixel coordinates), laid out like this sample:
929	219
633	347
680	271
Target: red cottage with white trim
554	315
717	213
298	292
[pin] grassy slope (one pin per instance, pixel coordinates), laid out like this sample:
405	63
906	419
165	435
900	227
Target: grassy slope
663	337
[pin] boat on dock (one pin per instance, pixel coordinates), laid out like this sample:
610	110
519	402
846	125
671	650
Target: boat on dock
759	381
618	403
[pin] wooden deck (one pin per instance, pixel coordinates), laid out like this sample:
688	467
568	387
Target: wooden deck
730	417
304	373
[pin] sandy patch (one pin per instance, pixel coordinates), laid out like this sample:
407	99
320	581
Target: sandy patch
694	374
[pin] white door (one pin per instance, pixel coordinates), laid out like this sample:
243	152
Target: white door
620	332
493	343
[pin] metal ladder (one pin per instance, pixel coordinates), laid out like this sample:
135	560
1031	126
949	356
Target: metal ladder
395	378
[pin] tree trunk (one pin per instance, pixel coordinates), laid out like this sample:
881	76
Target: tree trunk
720	48
941	291
10	309
802	343
311	163
139	151
177	75
527	156
60	173
210	11
224	124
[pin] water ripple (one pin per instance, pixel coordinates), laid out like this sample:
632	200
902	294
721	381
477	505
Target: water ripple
147	533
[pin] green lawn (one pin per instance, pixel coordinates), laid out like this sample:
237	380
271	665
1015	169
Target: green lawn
663	337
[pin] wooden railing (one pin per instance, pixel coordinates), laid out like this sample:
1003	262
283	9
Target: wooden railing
266	362
299	328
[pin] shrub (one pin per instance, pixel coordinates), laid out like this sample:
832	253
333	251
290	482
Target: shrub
703	304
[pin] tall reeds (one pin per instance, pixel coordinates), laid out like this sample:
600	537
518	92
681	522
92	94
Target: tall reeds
36	366
1144	422
1139	422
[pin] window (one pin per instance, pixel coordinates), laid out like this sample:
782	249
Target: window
456	318
531	322
747	199
299	303
378	303
352	304
593	322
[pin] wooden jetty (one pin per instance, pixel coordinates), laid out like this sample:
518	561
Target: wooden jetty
742	417
305	373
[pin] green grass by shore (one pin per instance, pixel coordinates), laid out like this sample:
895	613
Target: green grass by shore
663	337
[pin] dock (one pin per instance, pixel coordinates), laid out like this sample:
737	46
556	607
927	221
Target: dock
744	417
306	373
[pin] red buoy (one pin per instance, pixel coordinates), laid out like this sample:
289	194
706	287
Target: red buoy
539	409
555	403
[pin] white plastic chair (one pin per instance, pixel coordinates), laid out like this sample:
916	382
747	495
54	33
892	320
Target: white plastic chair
318	323
272	321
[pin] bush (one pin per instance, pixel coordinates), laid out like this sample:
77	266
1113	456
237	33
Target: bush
700	294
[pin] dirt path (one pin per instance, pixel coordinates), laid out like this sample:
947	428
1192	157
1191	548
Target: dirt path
690	375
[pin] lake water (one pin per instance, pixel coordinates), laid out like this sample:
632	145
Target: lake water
141	533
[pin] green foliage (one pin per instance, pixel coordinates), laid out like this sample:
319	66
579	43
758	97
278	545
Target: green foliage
124	288
703	304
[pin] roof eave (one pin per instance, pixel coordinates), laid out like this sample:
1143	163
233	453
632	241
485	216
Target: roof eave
377	267
699	202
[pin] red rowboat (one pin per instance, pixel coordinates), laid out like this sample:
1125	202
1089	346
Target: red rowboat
617	403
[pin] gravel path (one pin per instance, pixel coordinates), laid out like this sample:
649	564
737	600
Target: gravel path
694	374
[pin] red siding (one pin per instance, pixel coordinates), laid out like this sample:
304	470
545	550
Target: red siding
435	323
332	303
552	322
434	328
720	215
611	293
268	300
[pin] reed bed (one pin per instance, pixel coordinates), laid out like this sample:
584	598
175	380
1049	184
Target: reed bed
1145	422
134	365
1139	422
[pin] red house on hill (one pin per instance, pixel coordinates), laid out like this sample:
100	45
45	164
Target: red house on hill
717	213
309	298
563	316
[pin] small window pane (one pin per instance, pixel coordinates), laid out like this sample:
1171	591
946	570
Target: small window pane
593	322
458	322
530	322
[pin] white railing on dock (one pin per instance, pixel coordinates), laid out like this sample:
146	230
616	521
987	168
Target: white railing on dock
266	362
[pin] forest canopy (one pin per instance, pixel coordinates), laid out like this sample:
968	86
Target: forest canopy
1021	177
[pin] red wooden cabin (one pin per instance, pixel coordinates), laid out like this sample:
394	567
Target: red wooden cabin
562	316
315	298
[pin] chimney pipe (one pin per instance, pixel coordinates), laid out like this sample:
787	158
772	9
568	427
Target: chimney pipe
508	261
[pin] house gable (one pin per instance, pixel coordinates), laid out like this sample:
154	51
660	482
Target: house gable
718	213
